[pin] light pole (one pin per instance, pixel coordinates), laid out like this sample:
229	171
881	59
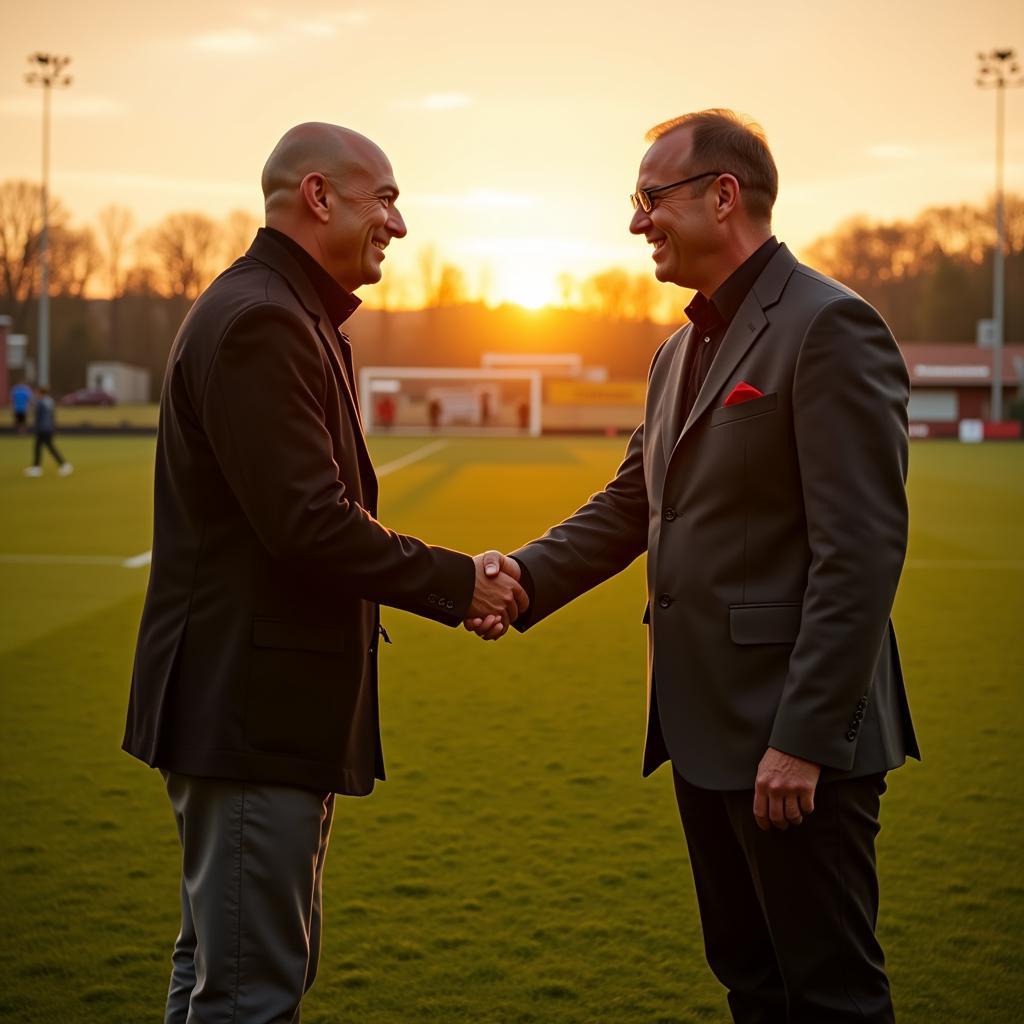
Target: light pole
48	71
999	70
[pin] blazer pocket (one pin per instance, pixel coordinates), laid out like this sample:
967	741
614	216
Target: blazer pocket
744	410
775	623
297	636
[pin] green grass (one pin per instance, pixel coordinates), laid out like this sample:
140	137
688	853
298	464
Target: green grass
515	868
108	415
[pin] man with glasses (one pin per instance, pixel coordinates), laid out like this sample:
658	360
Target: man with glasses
255	680
766	486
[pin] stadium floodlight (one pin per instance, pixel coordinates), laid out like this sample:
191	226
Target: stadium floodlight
999	70
425	399
49	74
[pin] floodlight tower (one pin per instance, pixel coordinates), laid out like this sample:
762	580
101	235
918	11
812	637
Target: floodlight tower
48	72
999	70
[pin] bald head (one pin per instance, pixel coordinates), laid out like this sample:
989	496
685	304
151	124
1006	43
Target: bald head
333	192
316	147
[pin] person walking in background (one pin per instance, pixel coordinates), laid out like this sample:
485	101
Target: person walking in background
21	399
44	424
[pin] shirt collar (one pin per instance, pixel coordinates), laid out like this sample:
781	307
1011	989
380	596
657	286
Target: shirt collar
339	303
733	290
707	314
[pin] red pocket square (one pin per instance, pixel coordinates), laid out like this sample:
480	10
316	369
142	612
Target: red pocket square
743	392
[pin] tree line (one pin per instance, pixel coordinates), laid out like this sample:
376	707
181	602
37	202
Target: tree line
931	277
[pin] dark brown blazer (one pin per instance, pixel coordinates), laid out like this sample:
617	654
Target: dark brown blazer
257	651
775	533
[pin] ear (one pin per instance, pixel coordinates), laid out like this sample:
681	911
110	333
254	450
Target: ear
313	189
727	196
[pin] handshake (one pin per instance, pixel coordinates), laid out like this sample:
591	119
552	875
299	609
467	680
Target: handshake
498	596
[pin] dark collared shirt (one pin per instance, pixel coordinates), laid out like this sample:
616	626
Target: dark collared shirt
711	318
339	303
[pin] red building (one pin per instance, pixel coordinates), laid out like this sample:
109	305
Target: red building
950	383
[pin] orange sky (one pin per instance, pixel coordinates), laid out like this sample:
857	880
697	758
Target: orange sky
515	134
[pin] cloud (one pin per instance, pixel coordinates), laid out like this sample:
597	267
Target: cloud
890	151
476	199
65	104
439	101
232	41
159	183
270	28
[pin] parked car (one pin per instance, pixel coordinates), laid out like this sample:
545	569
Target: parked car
88	396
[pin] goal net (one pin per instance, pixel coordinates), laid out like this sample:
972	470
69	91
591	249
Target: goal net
427	399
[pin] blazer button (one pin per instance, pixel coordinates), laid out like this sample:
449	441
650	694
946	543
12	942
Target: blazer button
858	715
664	600
670	514
432	599
851	735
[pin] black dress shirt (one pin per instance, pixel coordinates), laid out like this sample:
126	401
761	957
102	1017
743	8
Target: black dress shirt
711	319
339	303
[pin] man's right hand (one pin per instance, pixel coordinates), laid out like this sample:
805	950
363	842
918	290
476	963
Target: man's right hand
498	598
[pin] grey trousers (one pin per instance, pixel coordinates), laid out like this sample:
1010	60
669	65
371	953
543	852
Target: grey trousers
252	865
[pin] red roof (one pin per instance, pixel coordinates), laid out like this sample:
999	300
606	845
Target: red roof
932	363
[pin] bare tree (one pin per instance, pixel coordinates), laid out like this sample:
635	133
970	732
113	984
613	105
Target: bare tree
451	286
567	288
239	228
75	260
183	249
643	295
21	222
426	261
116	224
607	293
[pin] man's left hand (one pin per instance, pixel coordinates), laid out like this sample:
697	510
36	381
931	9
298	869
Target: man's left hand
784	790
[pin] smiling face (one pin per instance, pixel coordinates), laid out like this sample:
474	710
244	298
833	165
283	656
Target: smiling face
682	226
362	217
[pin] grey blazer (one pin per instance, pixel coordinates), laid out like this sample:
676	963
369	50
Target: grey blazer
775	533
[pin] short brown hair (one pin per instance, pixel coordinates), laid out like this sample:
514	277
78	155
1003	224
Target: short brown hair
723	140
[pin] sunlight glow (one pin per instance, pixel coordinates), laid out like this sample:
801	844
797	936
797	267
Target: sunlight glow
526	287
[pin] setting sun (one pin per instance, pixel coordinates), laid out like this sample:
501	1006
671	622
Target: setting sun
527	288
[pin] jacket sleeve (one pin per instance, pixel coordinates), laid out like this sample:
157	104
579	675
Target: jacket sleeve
850	396
593	544
262	411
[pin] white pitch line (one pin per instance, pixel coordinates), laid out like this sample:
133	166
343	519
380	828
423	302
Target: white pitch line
139	561
966	563
411	457
61	560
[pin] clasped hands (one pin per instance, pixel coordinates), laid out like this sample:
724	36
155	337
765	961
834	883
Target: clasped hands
498	597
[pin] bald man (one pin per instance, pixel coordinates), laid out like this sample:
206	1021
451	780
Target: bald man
255	680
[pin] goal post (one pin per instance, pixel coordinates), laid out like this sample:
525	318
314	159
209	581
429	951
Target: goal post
424	399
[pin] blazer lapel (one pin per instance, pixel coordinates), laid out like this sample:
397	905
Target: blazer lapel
672	396
338	351
746	327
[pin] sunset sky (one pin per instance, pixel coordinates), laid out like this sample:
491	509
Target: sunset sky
515	130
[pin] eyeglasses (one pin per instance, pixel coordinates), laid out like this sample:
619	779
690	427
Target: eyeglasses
642	197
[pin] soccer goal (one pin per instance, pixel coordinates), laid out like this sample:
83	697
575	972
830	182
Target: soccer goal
425	399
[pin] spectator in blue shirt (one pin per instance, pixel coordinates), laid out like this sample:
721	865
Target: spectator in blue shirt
45	423
21	399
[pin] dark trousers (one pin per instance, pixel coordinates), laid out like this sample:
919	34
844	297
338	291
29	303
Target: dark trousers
789	917
46	441
252	868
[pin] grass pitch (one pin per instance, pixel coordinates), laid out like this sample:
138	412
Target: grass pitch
514	868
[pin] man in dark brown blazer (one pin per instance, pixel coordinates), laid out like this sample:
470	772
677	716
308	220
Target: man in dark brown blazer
255	680
766	486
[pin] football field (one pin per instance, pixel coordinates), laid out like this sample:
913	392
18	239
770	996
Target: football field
515	867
